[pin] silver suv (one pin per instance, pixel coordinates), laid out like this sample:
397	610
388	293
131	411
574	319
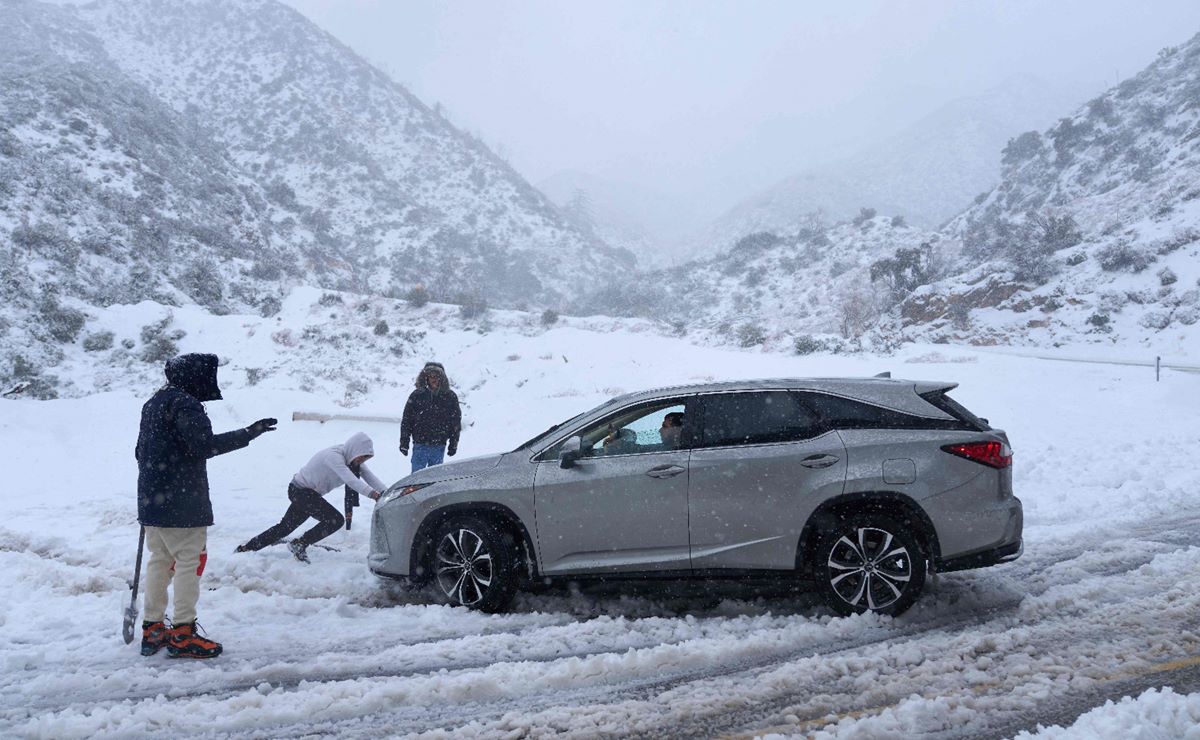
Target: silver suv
861	485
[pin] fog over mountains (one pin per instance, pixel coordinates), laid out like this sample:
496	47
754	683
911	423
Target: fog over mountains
1091	235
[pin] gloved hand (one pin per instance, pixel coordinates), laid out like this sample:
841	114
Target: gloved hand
403	450
261	426
374	495
451	450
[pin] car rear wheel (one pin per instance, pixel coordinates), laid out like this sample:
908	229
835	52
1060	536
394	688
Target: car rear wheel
474	564
870	562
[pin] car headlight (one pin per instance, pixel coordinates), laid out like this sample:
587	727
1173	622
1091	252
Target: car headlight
396	493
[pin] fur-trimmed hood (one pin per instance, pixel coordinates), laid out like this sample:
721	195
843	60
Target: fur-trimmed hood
432	368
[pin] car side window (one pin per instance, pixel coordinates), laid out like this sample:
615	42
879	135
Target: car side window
653	427
844	413
756	417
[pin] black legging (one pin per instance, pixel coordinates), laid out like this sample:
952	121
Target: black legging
305	503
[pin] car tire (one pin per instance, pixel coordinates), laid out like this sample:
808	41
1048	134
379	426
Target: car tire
869	562
474	564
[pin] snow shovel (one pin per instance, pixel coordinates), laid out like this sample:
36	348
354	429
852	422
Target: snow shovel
131	612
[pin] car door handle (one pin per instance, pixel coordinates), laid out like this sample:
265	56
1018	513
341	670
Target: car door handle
665	471
818	461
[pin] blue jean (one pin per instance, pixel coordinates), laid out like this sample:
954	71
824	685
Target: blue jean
425	455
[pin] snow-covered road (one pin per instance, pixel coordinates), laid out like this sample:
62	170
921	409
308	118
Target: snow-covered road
1102	605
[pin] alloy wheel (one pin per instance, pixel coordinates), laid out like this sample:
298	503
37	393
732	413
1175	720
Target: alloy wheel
464	566
869	567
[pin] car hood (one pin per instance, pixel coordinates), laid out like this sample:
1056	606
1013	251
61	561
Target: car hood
450	471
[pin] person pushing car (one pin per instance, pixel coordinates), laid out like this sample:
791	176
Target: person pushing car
343	464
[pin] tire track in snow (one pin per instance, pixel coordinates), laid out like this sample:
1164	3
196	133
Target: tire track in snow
640	689
643	690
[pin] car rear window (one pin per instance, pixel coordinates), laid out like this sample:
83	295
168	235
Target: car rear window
847	413
944	402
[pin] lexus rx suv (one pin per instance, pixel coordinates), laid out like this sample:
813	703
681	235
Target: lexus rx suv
861	486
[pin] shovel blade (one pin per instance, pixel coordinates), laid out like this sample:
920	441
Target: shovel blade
131	615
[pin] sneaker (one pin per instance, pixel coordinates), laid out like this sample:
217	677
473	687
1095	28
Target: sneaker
154	637
299	549
185	643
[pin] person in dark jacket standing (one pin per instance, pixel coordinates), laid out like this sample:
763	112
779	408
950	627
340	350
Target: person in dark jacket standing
431	419
174	444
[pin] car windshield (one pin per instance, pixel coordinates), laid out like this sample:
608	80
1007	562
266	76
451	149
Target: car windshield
530	442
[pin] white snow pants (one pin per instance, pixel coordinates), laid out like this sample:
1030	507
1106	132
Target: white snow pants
176	553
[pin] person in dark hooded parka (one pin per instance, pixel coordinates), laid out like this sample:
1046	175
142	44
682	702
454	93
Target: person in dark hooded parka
432	419
174	444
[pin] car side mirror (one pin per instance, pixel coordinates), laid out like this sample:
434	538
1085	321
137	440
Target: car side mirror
572	450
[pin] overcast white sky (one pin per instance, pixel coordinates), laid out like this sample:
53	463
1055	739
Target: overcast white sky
711	101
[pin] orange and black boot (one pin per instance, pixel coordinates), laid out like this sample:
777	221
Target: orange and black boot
185	643
154	637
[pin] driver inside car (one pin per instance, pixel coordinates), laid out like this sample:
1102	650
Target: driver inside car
621	441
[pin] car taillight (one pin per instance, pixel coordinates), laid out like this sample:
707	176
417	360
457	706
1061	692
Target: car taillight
992	454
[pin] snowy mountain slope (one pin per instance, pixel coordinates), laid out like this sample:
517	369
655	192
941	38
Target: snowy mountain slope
107	195
1095	229
927	173
218	154
773	288
390	185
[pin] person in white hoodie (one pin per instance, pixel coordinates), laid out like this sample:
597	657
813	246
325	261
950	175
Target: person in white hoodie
343	464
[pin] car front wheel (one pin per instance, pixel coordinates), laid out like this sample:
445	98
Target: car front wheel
870	562
474	564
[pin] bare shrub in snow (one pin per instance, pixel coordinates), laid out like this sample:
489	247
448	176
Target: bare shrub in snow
284	337
1155	320
1166	276
98	341
750	335
417	296
62	322
202	282
269	306
549	317
807	344
1112	301
1122	256
473	306
381	328
856	310
1100	322
864	215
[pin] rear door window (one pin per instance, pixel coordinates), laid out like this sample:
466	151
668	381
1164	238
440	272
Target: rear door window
755	417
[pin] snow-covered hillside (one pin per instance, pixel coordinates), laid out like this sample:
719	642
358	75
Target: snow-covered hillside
108	196
927	173
220	153
393	187
1102	604
1094	231
774	289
